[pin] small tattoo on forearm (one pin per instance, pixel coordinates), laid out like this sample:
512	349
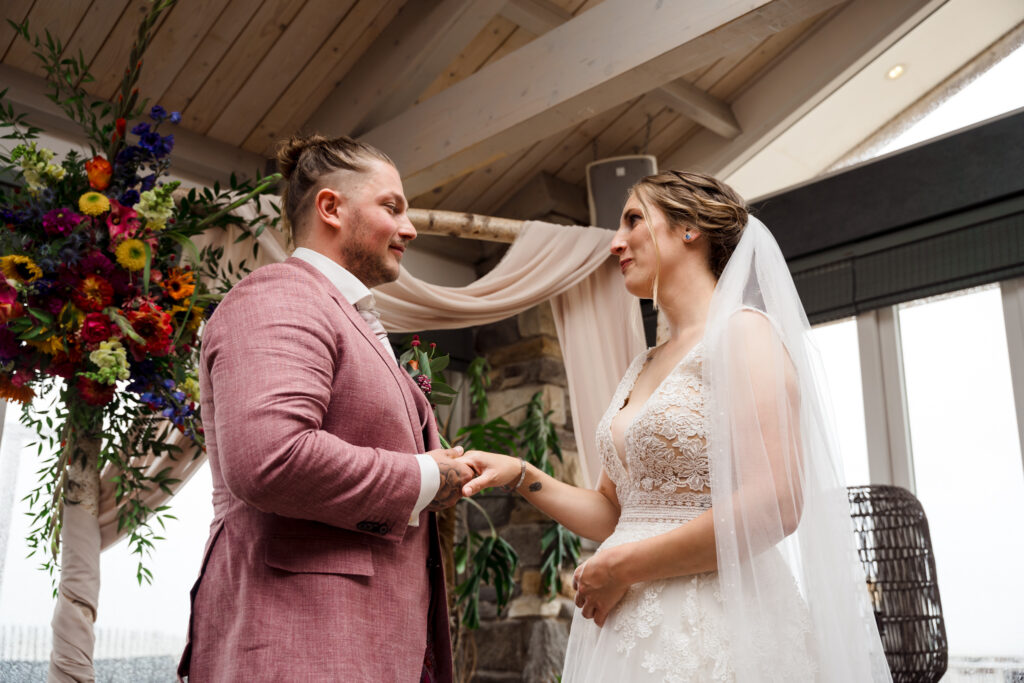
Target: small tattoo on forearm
450	490
535	486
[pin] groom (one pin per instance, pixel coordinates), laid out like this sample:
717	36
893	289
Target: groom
323	562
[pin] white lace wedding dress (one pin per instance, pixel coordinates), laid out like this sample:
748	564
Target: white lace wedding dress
671	630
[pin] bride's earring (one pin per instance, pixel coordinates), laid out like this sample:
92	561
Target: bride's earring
687	237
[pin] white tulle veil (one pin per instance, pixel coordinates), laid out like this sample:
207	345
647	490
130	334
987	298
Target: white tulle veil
779	500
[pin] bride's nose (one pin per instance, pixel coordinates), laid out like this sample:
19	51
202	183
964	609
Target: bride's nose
618	244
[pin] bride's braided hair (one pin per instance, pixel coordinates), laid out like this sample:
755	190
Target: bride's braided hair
305	160
690	199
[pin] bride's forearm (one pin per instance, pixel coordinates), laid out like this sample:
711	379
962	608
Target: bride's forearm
585	512
689	549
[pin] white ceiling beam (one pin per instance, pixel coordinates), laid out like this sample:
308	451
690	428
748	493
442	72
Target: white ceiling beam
536	16
540	16
202	158
423	39
583	67
692	102
856	34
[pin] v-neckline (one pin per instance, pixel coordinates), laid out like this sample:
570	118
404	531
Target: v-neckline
624	458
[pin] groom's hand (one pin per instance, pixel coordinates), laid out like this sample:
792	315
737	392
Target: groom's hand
454	475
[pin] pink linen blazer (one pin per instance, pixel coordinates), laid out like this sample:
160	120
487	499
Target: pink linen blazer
311	571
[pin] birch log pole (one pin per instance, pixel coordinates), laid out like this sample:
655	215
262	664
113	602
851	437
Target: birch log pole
71	658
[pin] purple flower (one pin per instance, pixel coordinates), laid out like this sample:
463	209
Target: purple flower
157	113
10	347
175	117
148	182
60	221
141	129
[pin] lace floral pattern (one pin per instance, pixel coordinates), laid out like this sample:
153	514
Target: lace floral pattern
665	475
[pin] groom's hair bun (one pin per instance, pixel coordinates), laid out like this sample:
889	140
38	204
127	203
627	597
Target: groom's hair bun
305	160
691	199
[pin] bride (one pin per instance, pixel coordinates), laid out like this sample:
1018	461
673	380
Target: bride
727	551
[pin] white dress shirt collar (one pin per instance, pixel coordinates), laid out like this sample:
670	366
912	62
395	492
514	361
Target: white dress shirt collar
349	285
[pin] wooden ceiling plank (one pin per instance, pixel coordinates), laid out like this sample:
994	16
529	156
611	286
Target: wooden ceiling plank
178	38
209	53
635	119
242	58
320	77
195	156
520	99
802	78
477	182
524	170
95	29
297	46
59	18
108	66
640	141
474	56
16	11
431	199
581	139
424	37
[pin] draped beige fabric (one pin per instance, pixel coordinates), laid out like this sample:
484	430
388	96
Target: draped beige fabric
598	324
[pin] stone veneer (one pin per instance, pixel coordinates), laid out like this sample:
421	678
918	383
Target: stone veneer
527	641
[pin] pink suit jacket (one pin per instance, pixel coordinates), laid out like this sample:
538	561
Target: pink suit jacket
311	571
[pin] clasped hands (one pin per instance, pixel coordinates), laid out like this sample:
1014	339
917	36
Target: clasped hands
466	473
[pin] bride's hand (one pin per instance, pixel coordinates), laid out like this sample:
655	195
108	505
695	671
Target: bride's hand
598	590
493	469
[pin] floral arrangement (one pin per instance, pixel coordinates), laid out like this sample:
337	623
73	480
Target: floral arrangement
103	291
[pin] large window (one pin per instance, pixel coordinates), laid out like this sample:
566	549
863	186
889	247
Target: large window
967	465
839	350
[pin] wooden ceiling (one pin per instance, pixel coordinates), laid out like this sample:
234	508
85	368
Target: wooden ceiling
473	98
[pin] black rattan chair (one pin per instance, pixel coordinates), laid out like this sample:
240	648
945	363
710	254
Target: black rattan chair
896	551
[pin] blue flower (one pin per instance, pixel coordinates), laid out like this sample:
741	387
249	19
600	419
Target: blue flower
69	255
158	113
147	182
129	198
141	129
175	117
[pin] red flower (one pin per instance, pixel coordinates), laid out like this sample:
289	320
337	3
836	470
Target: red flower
93	293
65	363
154	326
119	127
96	328
94	393
9	306
99	170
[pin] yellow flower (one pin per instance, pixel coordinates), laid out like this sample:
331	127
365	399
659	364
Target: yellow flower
50	345
93	204
131	254
20	268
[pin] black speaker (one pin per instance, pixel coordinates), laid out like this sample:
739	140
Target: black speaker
608	182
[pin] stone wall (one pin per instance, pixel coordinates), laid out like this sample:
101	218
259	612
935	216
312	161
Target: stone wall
527	641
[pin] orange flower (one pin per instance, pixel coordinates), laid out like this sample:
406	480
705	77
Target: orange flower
93	293
99	170
13	392
180	284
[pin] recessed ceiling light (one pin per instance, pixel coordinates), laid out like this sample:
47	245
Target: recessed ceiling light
895	72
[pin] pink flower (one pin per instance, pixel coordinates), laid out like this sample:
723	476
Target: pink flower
122	222
60	221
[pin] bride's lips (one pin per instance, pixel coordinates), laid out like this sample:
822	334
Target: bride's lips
623	263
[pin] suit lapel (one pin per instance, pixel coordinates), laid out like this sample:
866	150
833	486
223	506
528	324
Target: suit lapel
397	373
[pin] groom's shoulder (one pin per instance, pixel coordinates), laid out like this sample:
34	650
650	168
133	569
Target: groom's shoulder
274	286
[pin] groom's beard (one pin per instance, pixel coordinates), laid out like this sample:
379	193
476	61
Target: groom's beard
369	260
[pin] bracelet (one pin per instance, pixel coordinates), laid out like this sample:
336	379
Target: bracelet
522	475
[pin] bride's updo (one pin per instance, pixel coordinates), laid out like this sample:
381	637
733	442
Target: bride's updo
690	199
305	161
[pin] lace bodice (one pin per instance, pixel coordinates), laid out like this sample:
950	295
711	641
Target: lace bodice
664	476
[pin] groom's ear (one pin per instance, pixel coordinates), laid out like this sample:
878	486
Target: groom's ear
331	207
